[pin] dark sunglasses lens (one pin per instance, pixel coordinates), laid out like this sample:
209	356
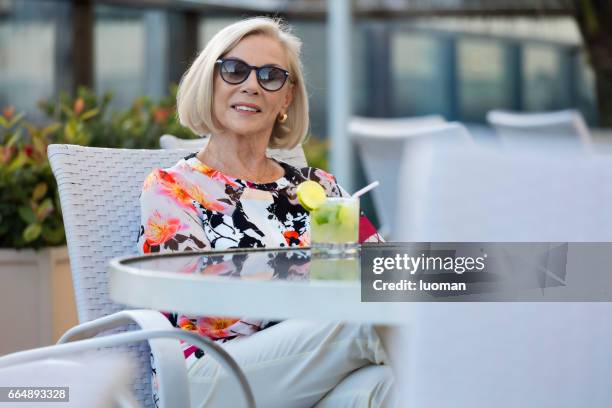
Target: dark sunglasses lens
271	78
234	72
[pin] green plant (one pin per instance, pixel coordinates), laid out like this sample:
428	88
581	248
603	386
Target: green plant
87	121
30	215
316	151
81	117
29	207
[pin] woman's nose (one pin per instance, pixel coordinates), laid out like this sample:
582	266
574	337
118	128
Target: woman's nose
250	85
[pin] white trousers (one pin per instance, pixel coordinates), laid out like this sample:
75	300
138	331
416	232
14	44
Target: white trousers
297	364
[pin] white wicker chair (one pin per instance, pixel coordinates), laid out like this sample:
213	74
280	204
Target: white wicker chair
382	154
564	127
484	194
392	126
173	142
294	156
99	190
94	380
510	349
72	360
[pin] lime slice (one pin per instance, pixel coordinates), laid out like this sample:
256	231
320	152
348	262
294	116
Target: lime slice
347	216
323	215
310	194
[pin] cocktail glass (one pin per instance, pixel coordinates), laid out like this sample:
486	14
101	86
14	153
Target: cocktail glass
334	226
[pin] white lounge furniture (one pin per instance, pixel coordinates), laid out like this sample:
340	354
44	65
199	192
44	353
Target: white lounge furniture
563	127
496	194
81	345
173	142
293	156
93	379
400	125
99	190
506	355
382	154
496	354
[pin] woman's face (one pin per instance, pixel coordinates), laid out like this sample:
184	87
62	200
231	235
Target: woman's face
257	50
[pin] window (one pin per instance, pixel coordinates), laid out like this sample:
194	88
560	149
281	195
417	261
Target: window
419	81
119	53
482	77
28	41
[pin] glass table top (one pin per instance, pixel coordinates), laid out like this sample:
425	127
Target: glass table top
576	271
270	283
258	264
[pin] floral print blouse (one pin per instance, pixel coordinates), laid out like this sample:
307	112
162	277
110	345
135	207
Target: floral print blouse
191	206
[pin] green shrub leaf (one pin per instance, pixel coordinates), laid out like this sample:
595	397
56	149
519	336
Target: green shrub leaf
90	114
53	236
39	191
32	232
16	120
14	138
44	209
26	214
18	162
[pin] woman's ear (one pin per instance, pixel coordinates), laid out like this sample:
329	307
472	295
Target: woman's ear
289	96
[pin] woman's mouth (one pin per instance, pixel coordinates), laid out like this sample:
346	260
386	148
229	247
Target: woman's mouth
246	109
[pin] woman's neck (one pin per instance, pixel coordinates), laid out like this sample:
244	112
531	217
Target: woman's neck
241	157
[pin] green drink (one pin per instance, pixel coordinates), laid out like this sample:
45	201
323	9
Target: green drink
334	225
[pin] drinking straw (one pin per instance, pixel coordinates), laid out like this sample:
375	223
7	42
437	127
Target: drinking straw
365	189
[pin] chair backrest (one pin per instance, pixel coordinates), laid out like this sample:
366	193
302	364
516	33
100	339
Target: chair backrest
382	154
389	126
294	156
481	194
99	189
173	142
521	128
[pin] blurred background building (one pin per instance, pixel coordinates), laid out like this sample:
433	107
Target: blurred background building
457	58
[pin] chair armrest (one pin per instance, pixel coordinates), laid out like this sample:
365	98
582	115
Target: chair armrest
145	319
173	386
209	346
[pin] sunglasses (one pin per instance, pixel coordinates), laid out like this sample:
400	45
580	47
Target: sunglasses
235	71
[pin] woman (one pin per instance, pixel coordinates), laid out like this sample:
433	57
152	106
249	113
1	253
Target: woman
246	90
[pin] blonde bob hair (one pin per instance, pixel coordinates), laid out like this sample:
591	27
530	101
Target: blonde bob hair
195	92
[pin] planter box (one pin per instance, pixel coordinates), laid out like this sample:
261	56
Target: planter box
36	298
